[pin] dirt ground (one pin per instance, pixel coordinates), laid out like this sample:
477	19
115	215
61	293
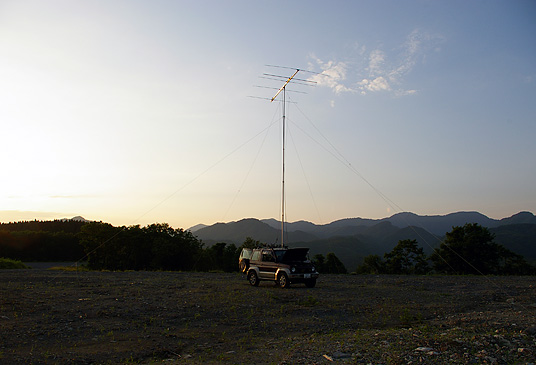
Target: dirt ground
49	316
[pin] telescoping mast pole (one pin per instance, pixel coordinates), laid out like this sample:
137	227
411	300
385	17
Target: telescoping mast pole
283	88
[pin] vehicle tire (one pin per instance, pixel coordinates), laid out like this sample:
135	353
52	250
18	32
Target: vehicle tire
252	278
244	266
310	283
282	280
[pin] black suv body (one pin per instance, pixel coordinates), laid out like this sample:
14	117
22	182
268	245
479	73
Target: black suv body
281	265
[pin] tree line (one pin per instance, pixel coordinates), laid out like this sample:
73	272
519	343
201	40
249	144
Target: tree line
154	247
40	246
37	240
468	249
465	250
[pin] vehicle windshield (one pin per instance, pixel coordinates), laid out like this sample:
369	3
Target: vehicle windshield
279	255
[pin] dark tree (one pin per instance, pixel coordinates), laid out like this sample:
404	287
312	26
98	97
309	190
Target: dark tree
372	264
101	244
49	245
333	265
251	243
320	262
173	249
406	258
220	257
155	247
470	250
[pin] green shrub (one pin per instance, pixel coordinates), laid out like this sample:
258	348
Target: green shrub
11	264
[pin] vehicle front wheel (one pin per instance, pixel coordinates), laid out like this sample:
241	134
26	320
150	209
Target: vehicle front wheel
310	283
283	281
252	278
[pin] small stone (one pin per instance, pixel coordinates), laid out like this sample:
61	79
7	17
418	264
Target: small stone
329	358
424	349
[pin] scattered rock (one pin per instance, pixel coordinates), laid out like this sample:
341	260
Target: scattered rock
219	318
424	349
327	357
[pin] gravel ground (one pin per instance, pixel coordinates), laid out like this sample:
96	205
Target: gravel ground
49	316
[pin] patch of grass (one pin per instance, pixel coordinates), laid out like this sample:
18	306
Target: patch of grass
309	301
408	318
6	263
70	268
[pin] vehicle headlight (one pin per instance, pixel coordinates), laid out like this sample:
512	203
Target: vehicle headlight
293	269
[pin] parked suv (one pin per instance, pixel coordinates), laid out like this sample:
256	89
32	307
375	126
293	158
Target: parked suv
282	265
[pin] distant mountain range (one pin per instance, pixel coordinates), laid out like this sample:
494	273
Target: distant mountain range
352	239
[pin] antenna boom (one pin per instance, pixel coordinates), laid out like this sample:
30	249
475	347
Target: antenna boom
285	84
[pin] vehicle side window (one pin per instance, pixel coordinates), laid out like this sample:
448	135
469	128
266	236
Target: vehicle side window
268	256
256	256
246	253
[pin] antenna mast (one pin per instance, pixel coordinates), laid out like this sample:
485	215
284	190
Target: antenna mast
283	88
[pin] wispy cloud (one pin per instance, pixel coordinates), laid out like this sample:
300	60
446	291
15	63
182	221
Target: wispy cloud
377	70
333	75
376	62
377	84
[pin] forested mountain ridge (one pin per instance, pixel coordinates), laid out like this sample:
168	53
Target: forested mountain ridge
66	225
35	240
349	239
436	225
354	238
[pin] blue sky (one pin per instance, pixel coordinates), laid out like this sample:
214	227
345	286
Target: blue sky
134	112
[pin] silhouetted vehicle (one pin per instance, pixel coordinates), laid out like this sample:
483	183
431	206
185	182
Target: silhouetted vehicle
281	265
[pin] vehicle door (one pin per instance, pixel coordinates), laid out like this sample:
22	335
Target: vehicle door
267	267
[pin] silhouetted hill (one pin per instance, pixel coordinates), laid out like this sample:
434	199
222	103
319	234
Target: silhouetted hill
519	218
352	239
440	224
291	227
77	218
374	240
350	250
196	228
519	238
237	232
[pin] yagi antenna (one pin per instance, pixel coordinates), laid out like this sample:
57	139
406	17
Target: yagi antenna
275	88
294	68
288	79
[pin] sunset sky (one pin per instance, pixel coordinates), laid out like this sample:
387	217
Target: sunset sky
135	112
